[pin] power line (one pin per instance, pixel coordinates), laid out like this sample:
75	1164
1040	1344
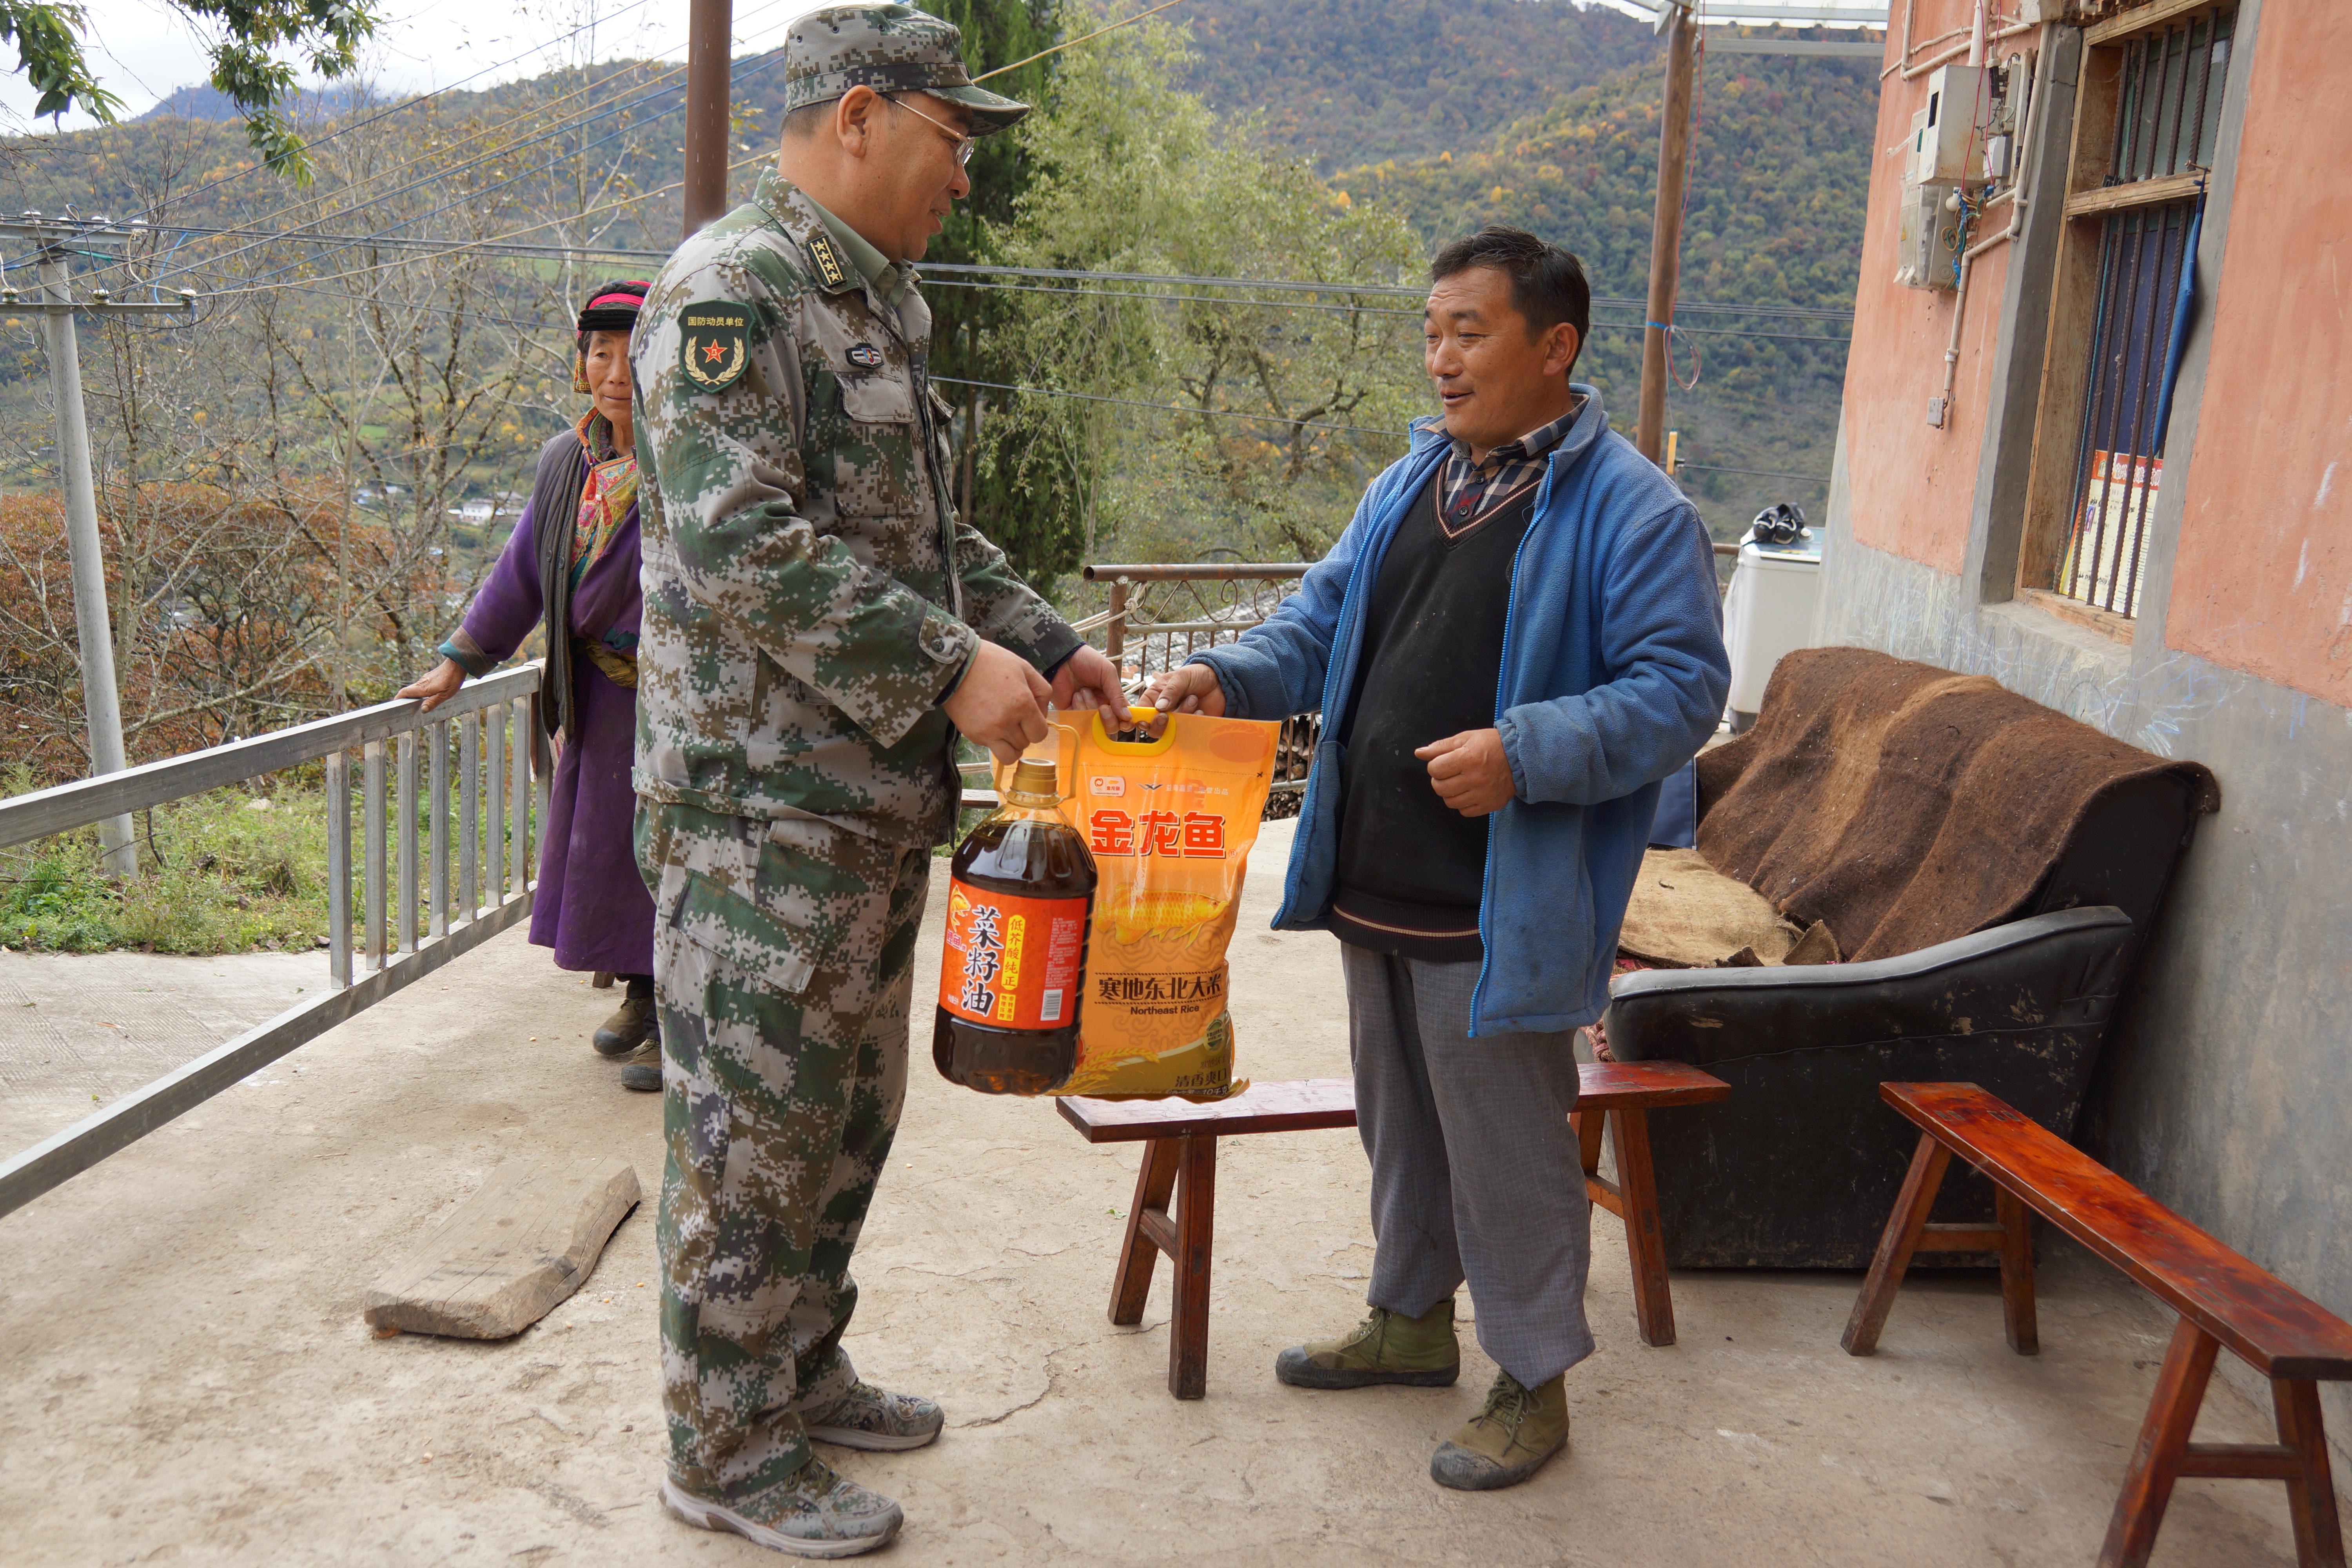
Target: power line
931	272
1807	313
296	234
619	70
652	89
1761	473
1738	333
361	181
424	97
1177	298
980	277
1168	407
1343	310
570	125
471	197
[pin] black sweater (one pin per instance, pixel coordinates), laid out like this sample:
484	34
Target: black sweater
1411	870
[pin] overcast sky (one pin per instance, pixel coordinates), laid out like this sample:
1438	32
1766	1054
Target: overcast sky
142	50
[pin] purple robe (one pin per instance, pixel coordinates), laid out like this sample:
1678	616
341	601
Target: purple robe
593	907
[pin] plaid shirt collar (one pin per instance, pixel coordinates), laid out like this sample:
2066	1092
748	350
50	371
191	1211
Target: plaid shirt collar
1472	491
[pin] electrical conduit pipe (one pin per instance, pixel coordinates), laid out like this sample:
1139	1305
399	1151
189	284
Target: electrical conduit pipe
2019	199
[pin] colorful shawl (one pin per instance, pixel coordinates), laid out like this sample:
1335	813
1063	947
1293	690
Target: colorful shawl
606	498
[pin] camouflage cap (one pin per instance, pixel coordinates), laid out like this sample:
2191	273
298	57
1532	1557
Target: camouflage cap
890	48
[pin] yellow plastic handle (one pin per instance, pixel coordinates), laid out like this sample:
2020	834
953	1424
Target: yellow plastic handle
1134	748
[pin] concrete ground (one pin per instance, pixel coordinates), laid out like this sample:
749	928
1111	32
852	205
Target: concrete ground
185	1376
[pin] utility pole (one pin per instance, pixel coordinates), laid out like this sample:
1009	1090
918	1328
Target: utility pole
1666	226
93	629
708	77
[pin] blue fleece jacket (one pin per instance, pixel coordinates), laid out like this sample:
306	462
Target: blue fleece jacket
1613	675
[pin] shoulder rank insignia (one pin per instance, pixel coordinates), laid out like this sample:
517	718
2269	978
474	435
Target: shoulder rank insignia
866	357
714	343
828	265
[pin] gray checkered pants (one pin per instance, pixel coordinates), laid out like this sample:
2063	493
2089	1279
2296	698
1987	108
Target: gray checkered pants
1474	1172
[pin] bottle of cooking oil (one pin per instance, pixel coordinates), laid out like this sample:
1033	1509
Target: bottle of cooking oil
1020	898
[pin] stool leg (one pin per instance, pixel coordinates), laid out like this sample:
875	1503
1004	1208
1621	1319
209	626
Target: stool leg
1196	1207
2163	1438
1132	1282
2311	1496
1654	1301
1589	1125
1895	1245
2017	1317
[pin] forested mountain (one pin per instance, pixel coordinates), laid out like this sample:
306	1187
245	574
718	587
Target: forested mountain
1354	81
1544	114
1777	186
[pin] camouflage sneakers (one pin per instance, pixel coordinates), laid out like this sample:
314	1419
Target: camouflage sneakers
642	1070
628	1027
816	1514
868	1417
1507	1441
1387	1347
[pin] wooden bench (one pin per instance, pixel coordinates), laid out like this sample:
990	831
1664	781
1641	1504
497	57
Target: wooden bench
2222	1300
1180	1160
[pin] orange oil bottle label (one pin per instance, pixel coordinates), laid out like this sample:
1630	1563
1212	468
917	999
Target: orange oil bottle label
1012	962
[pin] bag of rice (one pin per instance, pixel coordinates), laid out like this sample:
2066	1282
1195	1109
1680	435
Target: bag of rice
1170	823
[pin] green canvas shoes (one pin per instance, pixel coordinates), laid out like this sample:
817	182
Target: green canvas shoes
1508	1440
1386	1347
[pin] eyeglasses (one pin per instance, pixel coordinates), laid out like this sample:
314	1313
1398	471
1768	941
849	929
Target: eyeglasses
958	143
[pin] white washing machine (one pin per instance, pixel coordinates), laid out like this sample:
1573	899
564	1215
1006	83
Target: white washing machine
1768	611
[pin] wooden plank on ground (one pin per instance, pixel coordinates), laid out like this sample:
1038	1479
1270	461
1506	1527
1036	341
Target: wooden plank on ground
509	1253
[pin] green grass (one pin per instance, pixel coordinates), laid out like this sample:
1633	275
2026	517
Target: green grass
218	875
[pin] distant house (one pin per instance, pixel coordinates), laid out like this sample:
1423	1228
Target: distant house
480	511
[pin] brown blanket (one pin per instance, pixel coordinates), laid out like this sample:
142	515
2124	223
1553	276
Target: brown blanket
1902	804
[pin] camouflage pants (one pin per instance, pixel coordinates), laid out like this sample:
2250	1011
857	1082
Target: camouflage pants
783	968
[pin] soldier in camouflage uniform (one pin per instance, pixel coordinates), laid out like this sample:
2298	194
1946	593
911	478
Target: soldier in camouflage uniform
818	627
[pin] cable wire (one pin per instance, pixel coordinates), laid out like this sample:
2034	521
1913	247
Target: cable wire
477	196
421	98
1168	407
536	108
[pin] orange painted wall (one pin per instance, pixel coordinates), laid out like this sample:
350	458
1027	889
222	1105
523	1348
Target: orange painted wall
1912	484
2263	580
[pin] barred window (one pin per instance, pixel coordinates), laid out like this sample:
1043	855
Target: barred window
2147	119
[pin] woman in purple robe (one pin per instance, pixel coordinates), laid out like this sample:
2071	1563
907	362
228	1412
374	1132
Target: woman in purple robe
572	566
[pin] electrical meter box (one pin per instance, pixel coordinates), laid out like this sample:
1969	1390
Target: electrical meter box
1944	142
1929	242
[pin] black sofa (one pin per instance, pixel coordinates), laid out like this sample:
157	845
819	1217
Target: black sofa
1801	1165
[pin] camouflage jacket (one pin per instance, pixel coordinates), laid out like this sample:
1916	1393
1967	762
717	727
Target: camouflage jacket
809	593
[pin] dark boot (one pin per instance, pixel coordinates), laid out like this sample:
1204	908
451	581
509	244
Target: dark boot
633	1023
641	1068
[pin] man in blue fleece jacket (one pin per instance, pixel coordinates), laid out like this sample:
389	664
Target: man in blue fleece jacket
1516	638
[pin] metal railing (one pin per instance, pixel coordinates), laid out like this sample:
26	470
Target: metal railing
498	748
1212	602
1162	614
